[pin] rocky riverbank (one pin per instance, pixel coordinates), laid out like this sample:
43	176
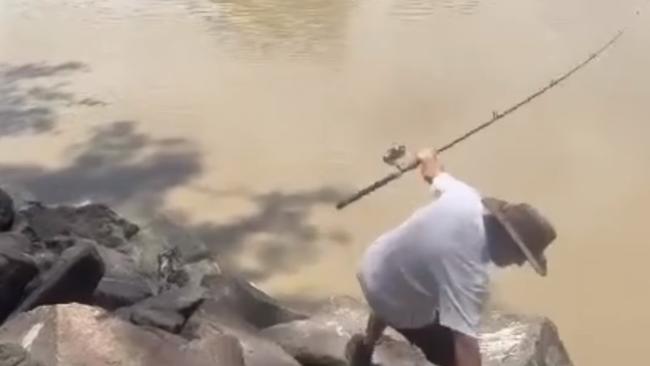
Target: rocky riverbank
80	285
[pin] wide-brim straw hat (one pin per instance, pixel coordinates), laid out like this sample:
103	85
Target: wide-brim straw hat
531	231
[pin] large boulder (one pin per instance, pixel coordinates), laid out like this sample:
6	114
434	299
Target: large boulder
6	211
168	311
209	321
238	297
321	339
73	278
506	340
16	271
90	221
80	335
123	284
517	340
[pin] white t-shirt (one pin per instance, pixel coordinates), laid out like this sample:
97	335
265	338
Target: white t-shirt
435	263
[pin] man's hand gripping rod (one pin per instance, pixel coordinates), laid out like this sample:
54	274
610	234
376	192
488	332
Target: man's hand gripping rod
495	117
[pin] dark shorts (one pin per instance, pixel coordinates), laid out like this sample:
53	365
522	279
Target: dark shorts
435	341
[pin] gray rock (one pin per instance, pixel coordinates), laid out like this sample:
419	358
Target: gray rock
168	311
14	355
123	283
517	340
80	335
209	322
15	241
73	278
241	299
114	292
16	271
6	211
506	340
221	348
91	221
321	339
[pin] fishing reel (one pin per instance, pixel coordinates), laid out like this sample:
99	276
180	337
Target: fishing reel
394	156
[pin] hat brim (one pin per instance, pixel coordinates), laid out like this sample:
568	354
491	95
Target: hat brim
538	263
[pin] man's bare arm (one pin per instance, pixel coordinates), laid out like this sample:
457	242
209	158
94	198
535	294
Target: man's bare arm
467	350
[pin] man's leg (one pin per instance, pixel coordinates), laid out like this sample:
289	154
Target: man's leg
360	348
435	341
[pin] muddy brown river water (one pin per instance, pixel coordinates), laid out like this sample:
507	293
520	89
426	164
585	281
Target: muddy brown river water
245	120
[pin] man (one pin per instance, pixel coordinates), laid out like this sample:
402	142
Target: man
428	278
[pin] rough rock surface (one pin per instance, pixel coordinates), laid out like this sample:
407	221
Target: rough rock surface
80	335
507	340
6	211
14	355
516	340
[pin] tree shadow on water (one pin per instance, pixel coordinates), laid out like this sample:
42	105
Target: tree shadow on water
280	229
117	165
30	95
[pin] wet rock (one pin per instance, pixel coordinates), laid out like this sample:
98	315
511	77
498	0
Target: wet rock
506	340
168	311
80	335
91	221
73	278
14	355
16	271
243	300
210	321
6	211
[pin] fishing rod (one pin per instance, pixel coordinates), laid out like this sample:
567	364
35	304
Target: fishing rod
397	152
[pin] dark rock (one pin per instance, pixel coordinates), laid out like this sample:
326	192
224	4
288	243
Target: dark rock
169	321
14	355
16	271
75	335
73	278
241	299
92	221
115	292
210	321
123	284
506	340
6	211
168	311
